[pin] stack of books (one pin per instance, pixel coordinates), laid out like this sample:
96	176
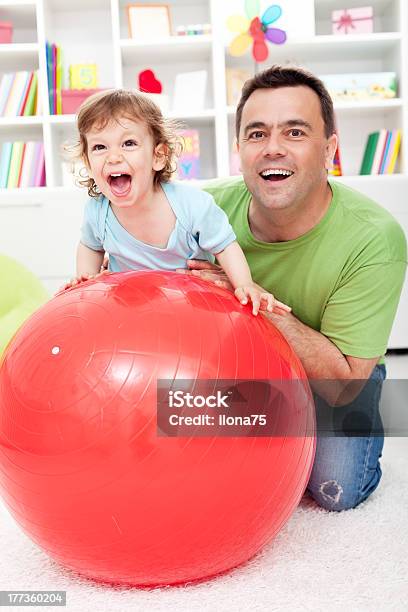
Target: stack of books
19	94
381	152
22	165
54	75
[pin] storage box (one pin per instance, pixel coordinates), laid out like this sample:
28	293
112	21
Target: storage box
353	20
6	32
73	98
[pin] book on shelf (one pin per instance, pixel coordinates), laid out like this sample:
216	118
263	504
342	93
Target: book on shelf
5	87
15	164
19	94
5	156
393	151
53	54
381	152
31	102
22	164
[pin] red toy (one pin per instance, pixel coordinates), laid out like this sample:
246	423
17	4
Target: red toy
148	82
82	468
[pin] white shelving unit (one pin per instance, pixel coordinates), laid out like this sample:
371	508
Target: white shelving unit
97	31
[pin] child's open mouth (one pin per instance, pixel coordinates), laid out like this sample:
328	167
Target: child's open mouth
120	183
279	174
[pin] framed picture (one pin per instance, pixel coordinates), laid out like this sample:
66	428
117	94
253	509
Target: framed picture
148	21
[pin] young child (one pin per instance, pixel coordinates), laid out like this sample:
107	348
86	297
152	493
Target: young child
135	215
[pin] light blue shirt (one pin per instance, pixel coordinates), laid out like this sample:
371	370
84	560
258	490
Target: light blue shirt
202	230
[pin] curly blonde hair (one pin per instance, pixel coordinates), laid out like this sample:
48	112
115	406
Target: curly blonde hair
101	108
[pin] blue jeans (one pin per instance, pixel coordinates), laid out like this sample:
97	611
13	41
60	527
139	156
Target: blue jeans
347	470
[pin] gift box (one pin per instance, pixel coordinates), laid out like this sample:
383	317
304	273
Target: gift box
353	20
73	98
6	32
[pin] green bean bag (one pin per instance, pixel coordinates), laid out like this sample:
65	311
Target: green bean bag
20	294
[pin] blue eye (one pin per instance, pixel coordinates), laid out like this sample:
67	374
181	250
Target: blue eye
98	147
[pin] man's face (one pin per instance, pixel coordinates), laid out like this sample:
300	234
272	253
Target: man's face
283	148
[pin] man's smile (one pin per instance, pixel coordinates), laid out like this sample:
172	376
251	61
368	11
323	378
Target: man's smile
276	174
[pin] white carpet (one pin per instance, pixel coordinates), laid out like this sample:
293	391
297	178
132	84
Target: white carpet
355	560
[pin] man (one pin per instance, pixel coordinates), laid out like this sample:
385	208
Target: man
333	255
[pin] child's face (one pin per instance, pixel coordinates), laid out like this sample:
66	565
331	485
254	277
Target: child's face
123	161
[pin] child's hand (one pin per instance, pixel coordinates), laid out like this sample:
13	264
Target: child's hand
81	279
261	300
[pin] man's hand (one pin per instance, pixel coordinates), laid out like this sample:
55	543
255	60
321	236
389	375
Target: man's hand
215	274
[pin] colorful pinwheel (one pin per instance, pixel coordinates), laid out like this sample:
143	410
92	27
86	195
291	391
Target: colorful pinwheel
255	30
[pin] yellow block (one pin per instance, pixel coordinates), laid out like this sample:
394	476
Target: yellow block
83	76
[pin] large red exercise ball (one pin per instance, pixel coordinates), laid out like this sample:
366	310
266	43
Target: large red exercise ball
86	470
20	294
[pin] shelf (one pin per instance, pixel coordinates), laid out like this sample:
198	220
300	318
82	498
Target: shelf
61	119
18	52
8	122
330	48
354	107
201	117
371	177
33	197
81	5
190	48
383	39
205	116
367	106
8	4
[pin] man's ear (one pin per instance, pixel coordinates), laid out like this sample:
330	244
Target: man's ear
160	156
330	151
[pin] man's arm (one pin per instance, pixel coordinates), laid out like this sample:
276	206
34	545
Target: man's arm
320	357
323	361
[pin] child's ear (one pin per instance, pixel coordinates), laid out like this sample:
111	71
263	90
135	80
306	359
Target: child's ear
160	156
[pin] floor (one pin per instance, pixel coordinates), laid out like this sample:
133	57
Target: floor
320	561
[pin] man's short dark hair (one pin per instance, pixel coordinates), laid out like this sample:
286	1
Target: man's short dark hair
288	76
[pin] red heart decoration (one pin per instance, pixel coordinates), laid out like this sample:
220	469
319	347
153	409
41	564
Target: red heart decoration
149	83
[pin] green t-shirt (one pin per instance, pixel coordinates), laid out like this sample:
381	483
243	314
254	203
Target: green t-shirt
343	278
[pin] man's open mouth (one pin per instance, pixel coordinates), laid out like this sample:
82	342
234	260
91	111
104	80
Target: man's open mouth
278	174
119	183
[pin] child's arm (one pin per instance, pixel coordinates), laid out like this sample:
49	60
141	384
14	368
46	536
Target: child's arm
88	265
88	261
232	260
